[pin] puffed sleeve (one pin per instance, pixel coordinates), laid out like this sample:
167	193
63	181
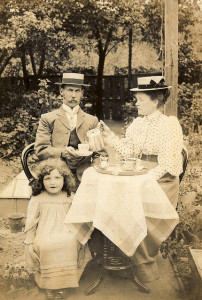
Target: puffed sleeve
32	220
170	150
124	146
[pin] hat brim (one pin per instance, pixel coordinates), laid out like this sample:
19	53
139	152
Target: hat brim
75	84
150	89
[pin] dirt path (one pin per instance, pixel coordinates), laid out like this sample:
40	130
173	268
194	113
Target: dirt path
113	287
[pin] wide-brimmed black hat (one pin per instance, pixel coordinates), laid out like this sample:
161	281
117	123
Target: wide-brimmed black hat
150	83
76	79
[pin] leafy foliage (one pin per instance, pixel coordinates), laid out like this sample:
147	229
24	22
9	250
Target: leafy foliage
19	128
129	112
16	132
105	24
153	12
17	275
189	107
32	32
184	235
36	37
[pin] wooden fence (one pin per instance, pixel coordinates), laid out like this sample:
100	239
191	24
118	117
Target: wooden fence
115	90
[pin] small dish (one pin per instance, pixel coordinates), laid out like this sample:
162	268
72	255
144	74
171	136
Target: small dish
116	170
86	153
139	168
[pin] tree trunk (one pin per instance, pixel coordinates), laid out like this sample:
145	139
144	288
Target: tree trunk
32	61
99	108
102	49
171	55
25	75
42	62
130	56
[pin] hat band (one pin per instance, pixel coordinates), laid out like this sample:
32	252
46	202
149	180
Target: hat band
149	86
72	81
153	85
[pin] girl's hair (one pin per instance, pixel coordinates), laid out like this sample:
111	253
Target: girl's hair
45	167
160	95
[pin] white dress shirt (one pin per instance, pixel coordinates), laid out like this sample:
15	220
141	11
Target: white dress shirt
71	114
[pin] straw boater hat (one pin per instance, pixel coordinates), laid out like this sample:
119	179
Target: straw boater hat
72	79
150	84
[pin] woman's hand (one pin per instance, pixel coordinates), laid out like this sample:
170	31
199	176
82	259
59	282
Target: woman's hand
105	130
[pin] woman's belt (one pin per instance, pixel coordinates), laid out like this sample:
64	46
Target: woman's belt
150	157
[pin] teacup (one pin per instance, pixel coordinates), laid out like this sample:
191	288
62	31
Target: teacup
128	165
83	148
104	161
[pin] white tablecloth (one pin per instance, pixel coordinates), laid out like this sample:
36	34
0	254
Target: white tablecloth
122	207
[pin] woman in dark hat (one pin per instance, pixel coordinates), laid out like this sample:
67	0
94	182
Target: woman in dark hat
156	141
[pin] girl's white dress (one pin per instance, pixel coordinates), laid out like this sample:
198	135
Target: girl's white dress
61	257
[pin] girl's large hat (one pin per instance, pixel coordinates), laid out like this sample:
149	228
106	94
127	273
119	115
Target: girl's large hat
151	83
72	79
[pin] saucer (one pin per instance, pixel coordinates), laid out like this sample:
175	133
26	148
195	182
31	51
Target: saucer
82	153
112	170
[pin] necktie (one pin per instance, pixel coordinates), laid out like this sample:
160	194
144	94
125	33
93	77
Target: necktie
71	115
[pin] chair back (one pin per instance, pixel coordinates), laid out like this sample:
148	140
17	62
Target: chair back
24	156
185	161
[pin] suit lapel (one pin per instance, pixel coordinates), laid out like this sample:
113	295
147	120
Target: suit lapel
80	118
63	118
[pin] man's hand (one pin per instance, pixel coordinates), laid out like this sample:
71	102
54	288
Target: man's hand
72	157
69	153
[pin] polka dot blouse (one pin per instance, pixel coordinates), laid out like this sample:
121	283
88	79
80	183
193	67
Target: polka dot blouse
155	134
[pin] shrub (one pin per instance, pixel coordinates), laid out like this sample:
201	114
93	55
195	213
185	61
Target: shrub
20	122
189	108
17	275
16	132
129	112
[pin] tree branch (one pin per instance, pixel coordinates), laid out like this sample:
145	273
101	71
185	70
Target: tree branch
99	40
5	64
108	39
112	47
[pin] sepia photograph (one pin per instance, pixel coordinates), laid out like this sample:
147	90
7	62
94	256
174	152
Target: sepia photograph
100	138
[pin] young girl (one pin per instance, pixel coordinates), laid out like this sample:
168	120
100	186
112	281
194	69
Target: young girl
52	251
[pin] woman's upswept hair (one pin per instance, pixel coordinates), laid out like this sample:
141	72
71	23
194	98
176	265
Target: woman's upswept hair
160	95
45	167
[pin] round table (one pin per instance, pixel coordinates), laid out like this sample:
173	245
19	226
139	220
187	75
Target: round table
122	208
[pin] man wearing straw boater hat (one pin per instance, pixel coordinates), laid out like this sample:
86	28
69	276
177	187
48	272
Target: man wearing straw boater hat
60	131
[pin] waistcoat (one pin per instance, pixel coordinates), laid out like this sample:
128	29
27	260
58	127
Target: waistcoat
74	140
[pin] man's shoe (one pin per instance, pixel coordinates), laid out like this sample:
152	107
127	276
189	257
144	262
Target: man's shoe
50	294
59	295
